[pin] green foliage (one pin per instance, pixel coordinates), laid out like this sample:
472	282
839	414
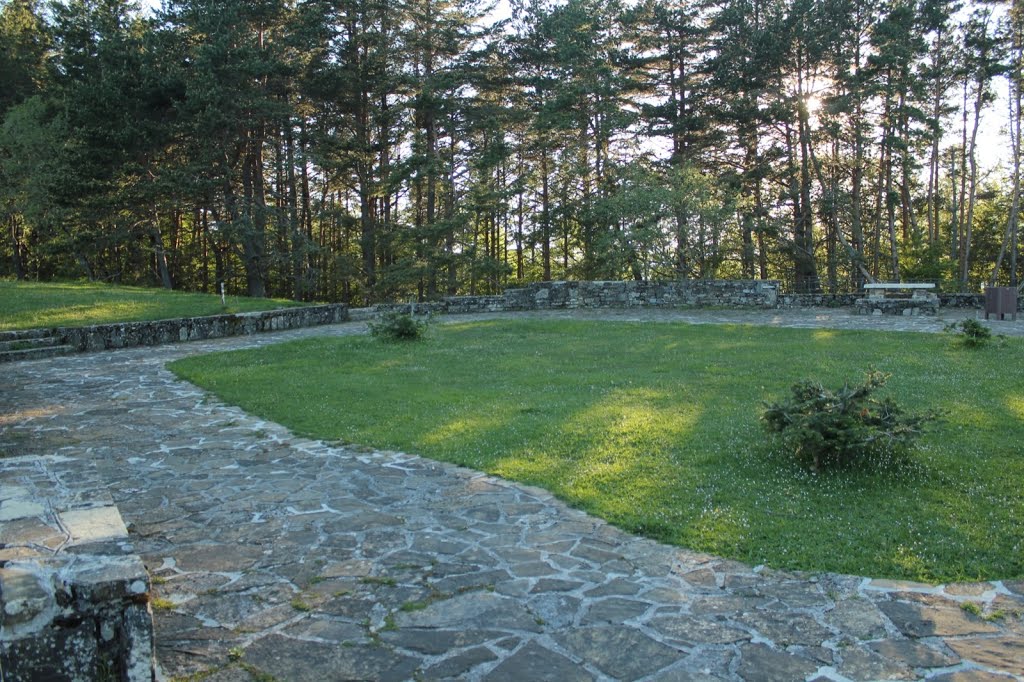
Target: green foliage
397	326
970	333
843	427
649	426
219	141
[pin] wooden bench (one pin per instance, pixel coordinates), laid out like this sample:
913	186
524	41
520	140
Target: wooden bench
922	301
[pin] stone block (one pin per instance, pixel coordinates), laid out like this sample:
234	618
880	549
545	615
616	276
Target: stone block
62	652
106	579
26	597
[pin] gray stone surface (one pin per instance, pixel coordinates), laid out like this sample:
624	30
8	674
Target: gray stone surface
535	662
308	560
624	653
942	620
760	662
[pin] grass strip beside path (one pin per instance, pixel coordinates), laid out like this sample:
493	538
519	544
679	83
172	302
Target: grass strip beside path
27	305
655	428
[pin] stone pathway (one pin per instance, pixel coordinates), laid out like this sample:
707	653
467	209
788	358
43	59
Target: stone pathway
274	555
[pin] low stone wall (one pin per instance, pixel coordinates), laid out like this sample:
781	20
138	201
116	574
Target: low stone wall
906	307
961	300
718	292
697	293
575	295
818	300
74	601
130	334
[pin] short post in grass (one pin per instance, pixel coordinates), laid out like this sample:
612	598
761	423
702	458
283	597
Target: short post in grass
223	295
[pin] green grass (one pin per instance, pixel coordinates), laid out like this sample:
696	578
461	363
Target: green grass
26	305
655	428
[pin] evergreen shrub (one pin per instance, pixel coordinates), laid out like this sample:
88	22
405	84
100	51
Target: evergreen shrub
840	428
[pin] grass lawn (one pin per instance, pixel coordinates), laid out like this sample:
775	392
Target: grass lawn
25	305
655	428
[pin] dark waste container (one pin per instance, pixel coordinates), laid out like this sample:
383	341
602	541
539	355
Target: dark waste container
1001	301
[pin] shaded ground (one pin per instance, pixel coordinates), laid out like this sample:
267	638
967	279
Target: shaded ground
279	555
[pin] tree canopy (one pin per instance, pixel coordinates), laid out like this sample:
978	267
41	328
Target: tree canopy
362	150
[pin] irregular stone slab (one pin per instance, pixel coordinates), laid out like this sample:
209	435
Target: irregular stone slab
434	642
915	654
622	652
365	521
693	630
538	664
216	558
858	618
555	585
302	661
788	628
968	589
916	620
475	609
20	509
760	662
459	664
533	569
595	555
865	666
901	585
172	626
795	595
557	611
478	580
686	676
727	604
999	653
93	525
702	577
970	676
618	587
614	610
358	568
666	595
327	629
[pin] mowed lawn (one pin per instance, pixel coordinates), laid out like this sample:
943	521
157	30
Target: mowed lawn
655	428
26	305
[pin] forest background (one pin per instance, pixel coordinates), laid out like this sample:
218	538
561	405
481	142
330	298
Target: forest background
363	150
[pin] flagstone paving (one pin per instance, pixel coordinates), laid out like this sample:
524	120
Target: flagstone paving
275	555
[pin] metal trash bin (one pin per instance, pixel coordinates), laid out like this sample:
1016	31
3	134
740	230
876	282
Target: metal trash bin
1001	301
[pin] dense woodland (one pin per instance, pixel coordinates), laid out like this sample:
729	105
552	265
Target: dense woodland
361	150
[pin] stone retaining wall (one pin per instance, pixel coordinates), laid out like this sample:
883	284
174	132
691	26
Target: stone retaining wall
129	334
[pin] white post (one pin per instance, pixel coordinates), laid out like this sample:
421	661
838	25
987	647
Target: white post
223	300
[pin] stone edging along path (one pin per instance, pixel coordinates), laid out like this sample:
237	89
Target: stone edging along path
298	559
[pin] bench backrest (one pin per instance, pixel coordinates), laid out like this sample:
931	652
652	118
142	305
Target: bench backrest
900	285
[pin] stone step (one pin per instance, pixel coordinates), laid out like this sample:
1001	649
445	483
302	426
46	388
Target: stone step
35	353
23	334
32	342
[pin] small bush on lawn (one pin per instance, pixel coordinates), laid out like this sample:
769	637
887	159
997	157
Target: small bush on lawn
396	326
970	333
844	427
